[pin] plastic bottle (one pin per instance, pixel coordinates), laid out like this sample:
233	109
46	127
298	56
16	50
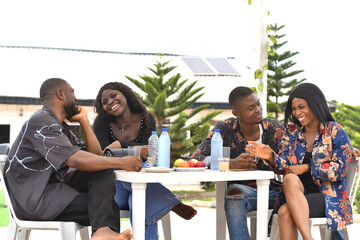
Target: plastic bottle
164	149
216	143
153	147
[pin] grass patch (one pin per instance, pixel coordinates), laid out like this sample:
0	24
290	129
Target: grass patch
205	199
4	212
184	192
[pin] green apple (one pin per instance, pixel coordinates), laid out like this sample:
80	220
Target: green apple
194	160
177	162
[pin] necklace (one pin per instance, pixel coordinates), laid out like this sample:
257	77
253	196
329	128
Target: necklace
125	124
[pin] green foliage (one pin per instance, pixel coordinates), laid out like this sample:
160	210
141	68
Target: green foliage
169	99
208	186
357	202
4	211
279	79
349	117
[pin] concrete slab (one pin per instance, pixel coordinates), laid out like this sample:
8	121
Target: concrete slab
201	227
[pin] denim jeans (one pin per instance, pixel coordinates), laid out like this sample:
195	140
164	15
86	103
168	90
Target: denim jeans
236	208
159	201
337	235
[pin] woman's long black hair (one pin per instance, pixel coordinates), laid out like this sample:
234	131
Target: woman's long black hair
133	101
315	99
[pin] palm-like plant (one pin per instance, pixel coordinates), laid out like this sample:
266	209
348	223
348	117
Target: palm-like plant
169	98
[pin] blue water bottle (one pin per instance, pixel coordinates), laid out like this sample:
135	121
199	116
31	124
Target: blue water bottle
164	149
216	144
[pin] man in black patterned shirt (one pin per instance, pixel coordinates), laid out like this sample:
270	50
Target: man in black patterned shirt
41	187
247	125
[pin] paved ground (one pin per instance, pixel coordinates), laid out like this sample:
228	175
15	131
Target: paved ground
201	227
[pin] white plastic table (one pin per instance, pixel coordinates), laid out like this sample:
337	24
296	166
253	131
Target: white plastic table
139	180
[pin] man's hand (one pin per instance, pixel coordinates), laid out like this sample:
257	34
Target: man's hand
244	160
80	117
297	169
131	163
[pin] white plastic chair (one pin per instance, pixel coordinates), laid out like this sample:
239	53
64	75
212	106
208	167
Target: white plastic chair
252	214
352	184
4	148
20	229
252	217
165	220
2	161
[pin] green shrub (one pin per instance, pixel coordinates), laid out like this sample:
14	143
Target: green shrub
208	186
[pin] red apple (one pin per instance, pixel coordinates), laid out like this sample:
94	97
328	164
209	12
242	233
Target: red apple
200	164
191	163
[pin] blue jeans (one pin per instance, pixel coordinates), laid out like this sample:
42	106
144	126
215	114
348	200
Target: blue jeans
159	201
337	235
236	208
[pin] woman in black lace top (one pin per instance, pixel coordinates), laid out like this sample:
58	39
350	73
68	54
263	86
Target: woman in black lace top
122	117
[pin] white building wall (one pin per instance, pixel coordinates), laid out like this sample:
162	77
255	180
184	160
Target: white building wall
24	70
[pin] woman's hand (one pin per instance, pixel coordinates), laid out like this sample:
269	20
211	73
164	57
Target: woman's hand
297	169
356	154
261	150
115	144
144	152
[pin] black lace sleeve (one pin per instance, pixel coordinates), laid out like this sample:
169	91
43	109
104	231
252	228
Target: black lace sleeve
102	131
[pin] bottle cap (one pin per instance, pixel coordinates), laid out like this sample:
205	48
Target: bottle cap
154	132
217	130
164	129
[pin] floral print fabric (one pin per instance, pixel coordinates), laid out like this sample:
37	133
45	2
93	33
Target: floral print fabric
232	137
331	153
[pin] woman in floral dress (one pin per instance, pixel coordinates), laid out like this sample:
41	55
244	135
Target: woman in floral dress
314	155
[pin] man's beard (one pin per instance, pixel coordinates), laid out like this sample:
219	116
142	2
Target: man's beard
70	110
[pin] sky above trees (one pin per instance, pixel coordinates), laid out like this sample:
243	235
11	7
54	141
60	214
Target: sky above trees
323	31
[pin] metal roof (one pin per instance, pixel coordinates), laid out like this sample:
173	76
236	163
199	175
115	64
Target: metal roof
89	51
90	102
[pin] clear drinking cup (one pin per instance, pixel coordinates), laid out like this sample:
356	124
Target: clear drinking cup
224	159
134	151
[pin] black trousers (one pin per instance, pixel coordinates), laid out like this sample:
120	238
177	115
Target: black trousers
316	203
95	205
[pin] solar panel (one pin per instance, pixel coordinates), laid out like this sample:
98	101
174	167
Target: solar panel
198	66
210	66
222	65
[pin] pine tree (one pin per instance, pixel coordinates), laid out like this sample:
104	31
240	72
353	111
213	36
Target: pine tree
279	80
349	117
168	98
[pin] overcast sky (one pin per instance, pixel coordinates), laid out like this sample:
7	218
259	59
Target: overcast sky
325	32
